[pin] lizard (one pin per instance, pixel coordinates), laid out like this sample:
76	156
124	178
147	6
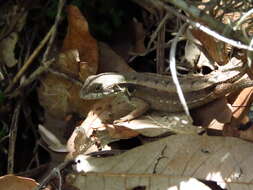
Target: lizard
158	91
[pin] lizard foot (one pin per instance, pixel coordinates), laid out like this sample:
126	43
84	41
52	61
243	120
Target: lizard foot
140	108
121	120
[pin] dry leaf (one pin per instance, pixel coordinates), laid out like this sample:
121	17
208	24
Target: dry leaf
120	132
216	110
110	61
7	47
60	96
78	38
139	35
14	20
226	118
104	112
214	48
240	104
11	182
79	143
99	124
155	124
53	143
192	53
79	60
240	107
171	162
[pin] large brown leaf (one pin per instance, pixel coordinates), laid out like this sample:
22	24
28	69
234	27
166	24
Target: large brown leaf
78	60
78	37
171	163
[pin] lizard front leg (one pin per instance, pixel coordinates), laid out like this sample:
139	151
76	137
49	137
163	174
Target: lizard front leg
140	107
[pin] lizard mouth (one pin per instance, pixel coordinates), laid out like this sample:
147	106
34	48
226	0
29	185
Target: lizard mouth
96	95
93	96
98	92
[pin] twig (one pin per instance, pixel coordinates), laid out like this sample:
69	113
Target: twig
160	60
250	56
34	172
166	45
212	23
203	17
56	22
30	60
216	35
243	18
12	139
227	36
29	40
174	71
4	138
161	24
226	30
52	33
63	75
35	156
54	172
40	70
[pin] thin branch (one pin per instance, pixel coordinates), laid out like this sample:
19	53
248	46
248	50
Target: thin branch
4	138
174	71
166	45
250	56
49	37
214	34
155	33
54	172
34	172
56	22
204	18
226	30
30	60
39	71
160	60
241	20
65	76
12	139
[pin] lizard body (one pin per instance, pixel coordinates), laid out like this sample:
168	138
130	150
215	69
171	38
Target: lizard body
227	73
159	92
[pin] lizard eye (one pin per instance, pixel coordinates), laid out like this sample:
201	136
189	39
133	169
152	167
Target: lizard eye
98	88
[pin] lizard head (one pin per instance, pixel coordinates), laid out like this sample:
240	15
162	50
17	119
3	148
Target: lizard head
101	85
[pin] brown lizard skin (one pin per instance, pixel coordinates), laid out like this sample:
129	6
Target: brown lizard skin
159	92
227	73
